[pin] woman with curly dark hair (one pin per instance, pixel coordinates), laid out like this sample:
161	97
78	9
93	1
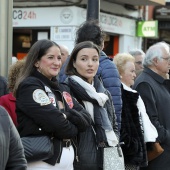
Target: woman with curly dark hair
8	100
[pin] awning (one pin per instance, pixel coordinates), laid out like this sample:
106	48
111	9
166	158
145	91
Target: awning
140	2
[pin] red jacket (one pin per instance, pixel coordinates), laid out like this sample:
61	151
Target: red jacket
8	102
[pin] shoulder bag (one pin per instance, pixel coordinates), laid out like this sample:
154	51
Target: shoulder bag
37	148
113	158
155	151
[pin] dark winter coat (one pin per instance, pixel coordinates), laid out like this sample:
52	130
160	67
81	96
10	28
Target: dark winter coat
11	150
131	133
40	114
154	91
109	75
90	156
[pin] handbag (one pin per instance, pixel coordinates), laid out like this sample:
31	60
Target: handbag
37	148
113	158
155	151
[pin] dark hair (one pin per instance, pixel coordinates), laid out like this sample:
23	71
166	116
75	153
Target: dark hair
90	31
35	53
70	70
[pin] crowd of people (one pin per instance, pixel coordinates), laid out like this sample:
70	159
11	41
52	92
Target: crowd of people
84	102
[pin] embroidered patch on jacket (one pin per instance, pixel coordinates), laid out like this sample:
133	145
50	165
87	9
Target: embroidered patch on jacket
41	97
52	98
68	99
50	95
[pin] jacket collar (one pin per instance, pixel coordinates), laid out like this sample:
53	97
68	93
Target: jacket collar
154	75
52	83
103	56
128	88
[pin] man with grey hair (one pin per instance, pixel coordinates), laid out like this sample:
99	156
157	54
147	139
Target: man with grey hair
139	56
155	92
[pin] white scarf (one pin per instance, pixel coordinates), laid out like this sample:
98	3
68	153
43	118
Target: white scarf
101	99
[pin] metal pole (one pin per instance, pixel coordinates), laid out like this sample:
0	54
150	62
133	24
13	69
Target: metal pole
93	8
6	7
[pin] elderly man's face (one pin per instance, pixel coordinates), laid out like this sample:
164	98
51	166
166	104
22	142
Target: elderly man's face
64	54
163	65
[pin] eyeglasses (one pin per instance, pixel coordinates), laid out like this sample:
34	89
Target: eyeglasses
139	62
167	59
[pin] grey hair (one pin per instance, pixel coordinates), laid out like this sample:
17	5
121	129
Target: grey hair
155	51
136	52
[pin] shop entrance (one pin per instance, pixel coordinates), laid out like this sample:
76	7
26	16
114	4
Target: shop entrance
24	38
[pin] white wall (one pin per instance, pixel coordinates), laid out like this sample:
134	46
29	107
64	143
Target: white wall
127	43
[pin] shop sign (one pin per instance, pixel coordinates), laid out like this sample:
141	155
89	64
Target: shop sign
147	29
162	13
118	25
69	16
62	33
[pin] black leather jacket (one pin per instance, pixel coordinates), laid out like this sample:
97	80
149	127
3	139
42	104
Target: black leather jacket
11	150
38	112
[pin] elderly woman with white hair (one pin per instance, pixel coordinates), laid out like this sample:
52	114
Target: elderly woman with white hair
136	128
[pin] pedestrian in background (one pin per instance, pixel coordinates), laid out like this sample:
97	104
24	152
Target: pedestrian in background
44	107
11	150
89	91
139	55
154	90
8	101
107	71
136	127
64	53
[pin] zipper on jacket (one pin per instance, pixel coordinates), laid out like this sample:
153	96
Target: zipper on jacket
77	159
59	152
